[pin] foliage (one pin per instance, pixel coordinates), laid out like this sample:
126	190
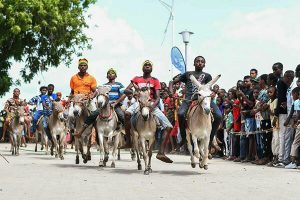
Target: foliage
41	34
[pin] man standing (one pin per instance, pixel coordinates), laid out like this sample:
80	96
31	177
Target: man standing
281	113
203	78
155	87
253	73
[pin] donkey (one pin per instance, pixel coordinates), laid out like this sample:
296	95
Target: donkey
16	127
58	130
143	128
106	125
199	123
78	112
41	131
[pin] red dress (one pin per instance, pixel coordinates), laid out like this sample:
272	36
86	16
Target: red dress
236	111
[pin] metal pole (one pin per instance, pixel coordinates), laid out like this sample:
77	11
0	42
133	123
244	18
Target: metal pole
185	55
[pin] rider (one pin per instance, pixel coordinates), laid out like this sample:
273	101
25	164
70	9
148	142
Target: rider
37	100
82	83
155	87
114	94
203	78
10	107
47	108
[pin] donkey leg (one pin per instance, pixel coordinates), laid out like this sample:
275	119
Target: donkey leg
205	148
100	137
151	145
196	148
145	156
115	147
136	147
190	148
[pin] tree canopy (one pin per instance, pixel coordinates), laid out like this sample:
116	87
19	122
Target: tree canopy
41	34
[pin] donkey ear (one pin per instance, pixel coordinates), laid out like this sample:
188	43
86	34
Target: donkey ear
107	88
213	81
196	82
148	85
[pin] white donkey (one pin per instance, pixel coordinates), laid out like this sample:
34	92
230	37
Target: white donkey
58	129
106	126
16	128
199	123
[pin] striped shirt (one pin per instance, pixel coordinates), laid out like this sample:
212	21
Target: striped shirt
117	89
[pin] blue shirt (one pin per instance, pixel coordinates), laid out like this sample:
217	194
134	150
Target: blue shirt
48	100
38	101
116	91
297	105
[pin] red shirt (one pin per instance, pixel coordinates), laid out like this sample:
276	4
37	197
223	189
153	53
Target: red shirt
236	111
154	84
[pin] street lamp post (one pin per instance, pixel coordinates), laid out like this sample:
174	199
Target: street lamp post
186	39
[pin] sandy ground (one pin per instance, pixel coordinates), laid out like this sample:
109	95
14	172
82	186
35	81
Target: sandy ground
34	175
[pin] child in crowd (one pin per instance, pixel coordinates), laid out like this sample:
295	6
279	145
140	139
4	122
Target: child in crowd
296	142
271	106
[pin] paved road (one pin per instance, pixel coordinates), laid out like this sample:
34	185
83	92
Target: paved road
33	175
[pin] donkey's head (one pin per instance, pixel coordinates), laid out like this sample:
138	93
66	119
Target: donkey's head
20	114
144	101
103	96
58	110
204	92
78	104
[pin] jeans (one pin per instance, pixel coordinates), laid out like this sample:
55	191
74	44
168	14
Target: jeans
244	140
37	114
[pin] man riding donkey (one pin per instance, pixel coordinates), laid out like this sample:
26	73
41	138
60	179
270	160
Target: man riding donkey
10	107
114	95
82	83
39	109
142	81
203	78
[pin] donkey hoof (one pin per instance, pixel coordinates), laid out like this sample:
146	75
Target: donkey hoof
193	165
139	167
84	161
113	165
150	170
42	148
89	157
119	157
77	160
209	156
146	172
52	153
101	164
62	158
35	149
200	165
105	158
206	167
56	156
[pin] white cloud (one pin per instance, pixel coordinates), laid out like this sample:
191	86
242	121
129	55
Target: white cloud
253	40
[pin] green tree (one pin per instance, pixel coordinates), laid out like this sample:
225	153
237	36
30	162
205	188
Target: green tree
40	33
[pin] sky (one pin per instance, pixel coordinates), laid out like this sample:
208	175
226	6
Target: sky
233	36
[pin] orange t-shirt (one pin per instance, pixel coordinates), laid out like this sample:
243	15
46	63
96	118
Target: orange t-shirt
83	85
